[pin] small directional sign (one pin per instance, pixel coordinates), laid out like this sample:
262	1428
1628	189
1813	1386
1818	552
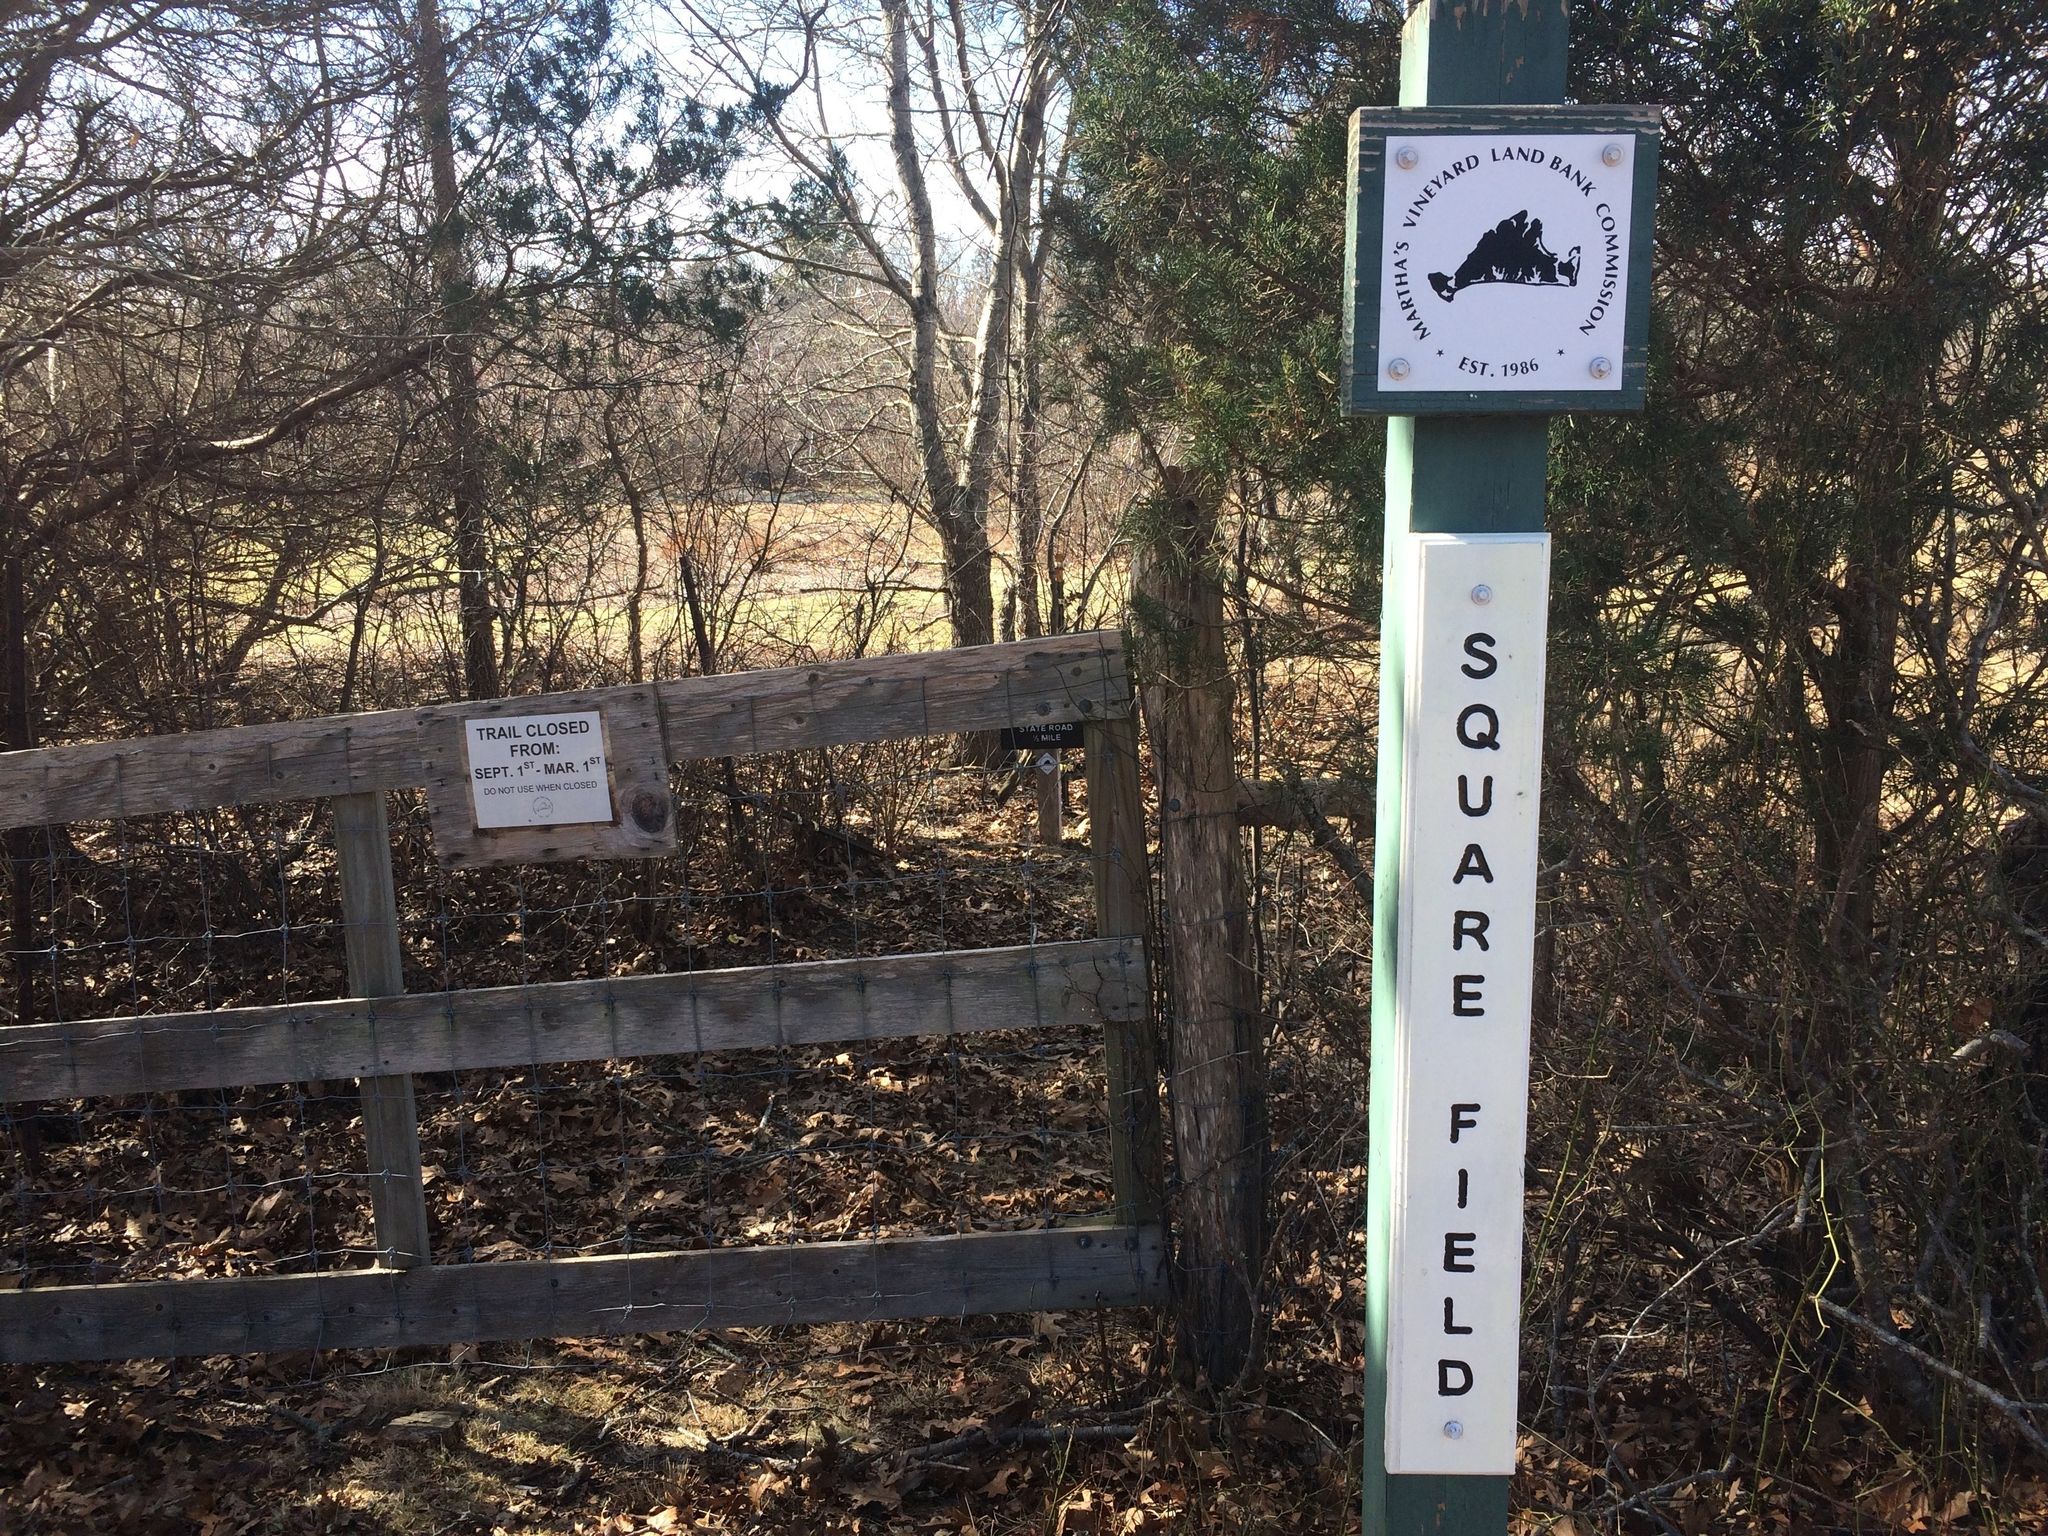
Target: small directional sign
1499	259
1029	738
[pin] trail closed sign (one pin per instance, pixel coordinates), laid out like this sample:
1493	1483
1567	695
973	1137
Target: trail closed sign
539	770
580	775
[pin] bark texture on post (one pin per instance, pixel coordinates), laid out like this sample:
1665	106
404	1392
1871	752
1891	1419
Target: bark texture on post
1217	1076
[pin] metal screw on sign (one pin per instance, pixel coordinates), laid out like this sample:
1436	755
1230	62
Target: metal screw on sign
1406	158
1453	1430
1610	155
1397	368
1600	367
1482	593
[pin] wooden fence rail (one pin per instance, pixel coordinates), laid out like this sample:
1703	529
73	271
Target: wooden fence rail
382	1036
889	698
954	1275
1029	986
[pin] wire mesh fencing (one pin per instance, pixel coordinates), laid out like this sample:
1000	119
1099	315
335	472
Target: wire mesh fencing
152	939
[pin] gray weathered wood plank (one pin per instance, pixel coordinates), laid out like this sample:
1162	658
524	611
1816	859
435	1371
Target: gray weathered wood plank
376	968
1060	678
1116	837
885	698
954	1275
1042	986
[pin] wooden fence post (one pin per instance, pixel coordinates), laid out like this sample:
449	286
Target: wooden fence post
1046	788
376	968
1217	1076
1116	836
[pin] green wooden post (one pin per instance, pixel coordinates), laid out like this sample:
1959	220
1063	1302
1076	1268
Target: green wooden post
1445	474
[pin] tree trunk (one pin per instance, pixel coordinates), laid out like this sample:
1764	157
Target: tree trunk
1217	1076
458	361
1030	501
958	483
1856	682
970	567
1030	495
636	511
707	664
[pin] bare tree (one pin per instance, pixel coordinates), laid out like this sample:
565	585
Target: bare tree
187	309
457	326
557	185
973	99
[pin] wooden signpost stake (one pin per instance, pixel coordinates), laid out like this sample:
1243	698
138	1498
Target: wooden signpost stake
1498	274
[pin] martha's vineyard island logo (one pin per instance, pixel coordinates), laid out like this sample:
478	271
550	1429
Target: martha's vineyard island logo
1504	261
1510	252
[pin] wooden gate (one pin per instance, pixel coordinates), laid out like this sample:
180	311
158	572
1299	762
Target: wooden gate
382	1036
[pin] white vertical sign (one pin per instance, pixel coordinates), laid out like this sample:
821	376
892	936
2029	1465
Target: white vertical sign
1472	758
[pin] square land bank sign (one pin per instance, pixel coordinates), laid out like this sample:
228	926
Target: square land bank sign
1498	259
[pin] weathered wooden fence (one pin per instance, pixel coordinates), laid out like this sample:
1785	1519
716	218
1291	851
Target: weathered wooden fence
382	1036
